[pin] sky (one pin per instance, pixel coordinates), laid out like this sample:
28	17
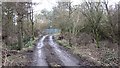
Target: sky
49	4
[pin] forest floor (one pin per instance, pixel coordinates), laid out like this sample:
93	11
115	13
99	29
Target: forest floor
16	57
105	55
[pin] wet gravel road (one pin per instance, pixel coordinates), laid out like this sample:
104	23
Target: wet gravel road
49	53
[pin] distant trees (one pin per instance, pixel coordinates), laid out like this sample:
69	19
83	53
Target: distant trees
7	14
61	16
118	21
0	12
20	13
93	11
95	18
43	20
112	21
14	16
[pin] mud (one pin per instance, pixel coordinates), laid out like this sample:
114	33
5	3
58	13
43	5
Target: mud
49	53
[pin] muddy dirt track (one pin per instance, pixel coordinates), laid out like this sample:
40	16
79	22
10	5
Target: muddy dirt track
49	53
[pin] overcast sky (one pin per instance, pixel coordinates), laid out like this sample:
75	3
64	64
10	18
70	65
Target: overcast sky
49	4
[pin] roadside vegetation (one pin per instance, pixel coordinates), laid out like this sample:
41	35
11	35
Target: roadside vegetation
90	30
103	55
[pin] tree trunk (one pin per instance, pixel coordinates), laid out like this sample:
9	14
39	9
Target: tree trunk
20	43
32	26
